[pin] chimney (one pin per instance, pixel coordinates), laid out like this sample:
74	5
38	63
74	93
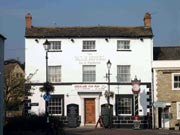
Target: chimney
28	21
147	20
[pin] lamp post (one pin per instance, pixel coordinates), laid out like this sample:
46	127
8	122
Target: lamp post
108	77
46	47
108	92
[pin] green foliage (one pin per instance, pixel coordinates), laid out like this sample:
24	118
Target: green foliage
47	87
12	106
14	92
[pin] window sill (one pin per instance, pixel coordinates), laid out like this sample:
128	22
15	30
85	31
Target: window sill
89	50
55	51
176	89
124	50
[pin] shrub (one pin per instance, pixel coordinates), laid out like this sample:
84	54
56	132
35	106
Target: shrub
31	123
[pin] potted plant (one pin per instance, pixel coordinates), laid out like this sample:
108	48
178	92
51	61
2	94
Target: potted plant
177	126
109	94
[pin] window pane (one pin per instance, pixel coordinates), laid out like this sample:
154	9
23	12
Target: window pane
176	82
88	45
123	45
54	73
124	106
89	73
55	45
55	105
123	73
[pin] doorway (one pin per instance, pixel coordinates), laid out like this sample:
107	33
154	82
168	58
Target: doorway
89	104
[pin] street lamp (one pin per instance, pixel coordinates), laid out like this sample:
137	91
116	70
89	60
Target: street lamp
108	94
108	77
46	47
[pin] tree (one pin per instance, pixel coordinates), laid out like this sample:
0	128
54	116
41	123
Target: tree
14	88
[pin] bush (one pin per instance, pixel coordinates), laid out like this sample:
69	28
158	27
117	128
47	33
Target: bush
31	123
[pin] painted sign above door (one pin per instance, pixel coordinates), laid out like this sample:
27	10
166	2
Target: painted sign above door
90	87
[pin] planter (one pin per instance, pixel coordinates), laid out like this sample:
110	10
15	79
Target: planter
176	128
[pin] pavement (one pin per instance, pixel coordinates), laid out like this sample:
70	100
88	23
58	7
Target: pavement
102	131
118	131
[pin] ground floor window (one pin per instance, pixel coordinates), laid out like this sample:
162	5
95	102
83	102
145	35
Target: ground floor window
124	105
56	104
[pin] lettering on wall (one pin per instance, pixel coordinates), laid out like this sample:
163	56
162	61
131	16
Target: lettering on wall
90	59
90	87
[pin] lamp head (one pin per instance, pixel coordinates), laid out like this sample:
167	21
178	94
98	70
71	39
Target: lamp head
109	64
46	45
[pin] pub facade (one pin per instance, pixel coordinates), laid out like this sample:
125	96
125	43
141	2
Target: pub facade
90	67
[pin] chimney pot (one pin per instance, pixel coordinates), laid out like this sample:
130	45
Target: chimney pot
147	20
28	21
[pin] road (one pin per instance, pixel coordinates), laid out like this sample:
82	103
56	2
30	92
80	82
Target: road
117	131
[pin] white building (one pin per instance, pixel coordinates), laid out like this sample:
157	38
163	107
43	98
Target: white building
2	39
77	69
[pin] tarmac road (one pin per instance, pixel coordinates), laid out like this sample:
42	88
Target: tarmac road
117	131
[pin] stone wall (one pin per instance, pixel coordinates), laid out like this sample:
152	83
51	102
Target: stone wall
166	94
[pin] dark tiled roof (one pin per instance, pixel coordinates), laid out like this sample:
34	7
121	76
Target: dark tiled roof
166	53
93	31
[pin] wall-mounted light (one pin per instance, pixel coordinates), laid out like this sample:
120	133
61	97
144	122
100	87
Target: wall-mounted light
72	40
37	41
107	40
141	39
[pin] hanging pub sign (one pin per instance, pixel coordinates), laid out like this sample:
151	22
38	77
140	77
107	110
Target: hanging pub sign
135	85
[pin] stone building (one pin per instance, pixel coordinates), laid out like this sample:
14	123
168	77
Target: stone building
166	80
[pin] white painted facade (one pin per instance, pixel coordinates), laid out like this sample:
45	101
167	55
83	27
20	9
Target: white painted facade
72	58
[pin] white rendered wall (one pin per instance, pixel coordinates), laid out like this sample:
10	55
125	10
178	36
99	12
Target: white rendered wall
72	58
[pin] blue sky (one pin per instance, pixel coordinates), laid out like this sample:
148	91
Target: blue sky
165	18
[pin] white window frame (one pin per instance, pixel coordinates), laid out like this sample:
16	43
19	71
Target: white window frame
55	46
173	88
84	79
129	74
89	45
131	107
57	75
178	110
56	105
123	45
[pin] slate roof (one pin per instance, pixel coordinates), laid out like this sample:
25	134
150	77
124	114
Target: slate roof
88	31
166	53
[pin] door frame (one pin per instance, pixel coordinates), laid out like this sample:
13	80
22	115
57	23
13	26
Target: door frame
94	95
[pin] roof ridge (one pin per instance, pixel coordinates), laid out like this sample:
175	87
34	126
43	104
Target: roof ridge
101	26
168	46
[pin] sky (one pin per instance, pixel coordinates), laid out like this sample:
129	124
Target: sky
165	18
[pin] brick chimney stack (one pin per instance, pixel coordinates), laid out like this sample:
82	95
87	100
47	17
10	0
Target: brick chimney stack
28	21
147	20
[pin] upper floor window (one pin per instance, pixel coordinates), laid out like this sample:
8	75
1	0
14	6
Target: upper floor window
123	73
89	45
123	45
176	81
55	46
54	74
89	73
